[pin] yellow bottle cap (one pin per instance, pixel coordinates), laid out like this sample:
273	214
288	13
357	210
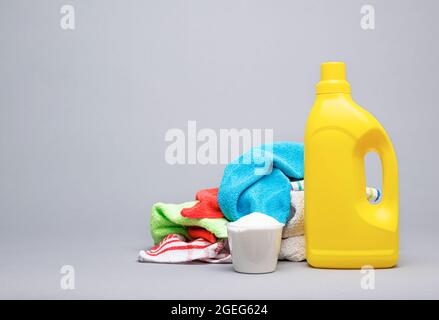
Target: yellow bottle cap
333	78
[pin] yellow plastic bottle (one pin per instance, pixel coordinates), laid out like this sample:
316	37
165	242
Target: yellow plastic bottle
342	229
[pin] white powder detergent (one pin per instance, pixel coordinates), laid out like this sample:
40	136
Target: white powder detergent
256	220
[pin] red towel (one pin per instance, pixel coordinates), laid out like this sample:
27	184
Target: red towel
196	232
207	207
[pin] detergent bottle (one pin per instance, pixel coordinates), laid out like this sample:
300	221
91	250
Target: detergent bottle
342	229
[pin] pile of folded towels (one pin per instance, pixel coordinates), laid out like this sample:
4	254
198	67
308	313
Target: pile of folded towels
266	179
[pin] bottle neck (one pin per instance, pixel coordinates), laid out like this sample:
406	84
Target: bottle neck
333	87
333	96
333	79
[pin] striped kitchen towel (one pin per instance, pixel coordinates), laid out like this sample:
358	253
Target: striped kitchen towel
175	249
373	195
298	185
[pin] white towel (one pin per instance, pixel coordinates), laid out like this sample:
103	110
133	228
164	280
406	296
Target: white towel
296	225
293	249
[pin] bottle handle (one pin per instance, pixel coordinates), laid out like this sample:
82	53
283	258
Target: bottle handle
385	213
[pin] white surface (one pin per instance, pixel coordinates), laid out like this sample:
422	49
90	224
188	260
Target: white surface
106	268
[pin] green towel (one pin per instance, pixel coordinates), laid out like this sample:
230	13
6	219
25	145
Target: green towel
166	219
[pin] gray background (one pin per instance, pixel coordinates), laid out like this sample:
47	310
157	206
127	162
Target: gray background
84	114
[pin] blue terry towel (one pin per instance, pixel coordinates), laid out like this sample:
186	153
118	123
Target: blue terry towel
247	186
